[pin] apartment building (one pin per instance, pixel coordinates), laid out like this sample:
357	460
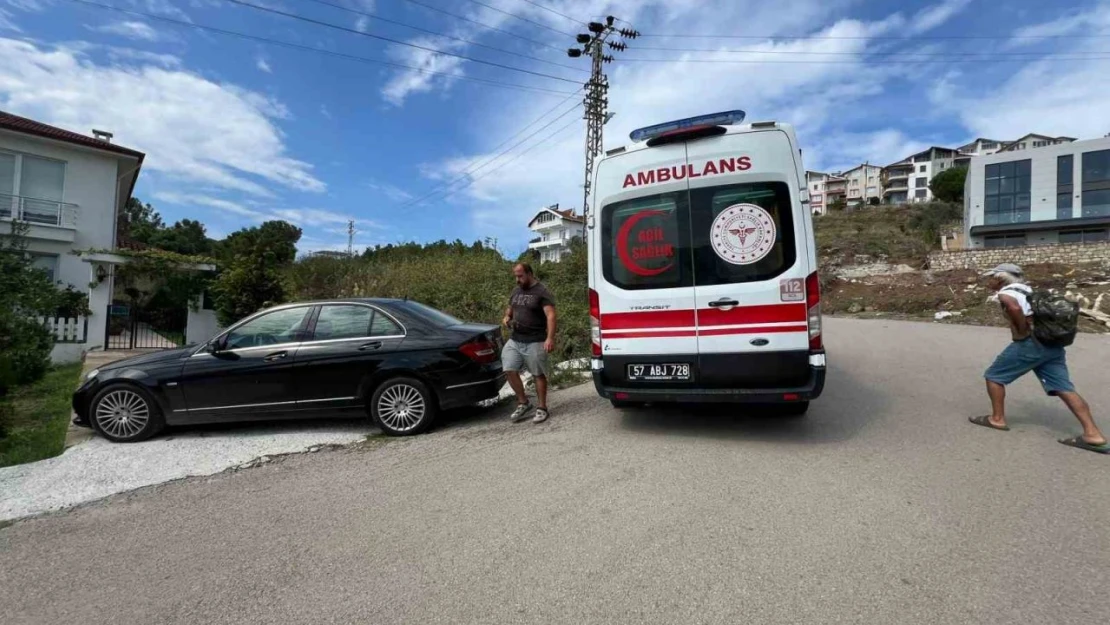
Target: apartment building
908	179
817	184
556	229
1032	141
863	184
1055	193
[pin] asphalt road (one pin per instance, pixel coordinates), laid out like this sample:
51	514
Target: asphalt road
883	505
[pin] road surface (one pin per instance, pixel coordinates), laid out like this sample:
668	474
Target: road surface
882	506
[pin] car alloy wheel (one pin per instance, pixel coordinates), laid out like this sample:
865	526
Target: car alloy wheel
401	407
122	414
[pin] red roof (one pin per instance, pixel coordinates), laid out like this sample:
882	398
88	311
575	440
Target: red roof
31	127
569	215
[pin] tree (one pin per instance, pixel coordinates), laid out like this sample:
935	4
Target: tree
138	221
948	185
838	205
184	237
25	294
253	262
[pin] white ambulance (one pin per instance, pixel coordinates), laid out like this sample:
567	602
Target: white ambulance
703	267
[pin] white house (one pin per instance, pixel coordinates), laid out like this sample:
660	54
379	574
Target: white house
863	184
556	229
817	184
1057	193
908	179
67	187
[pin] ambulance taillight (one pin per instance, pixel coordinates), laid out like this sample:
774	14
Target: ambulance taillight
813	302
595	324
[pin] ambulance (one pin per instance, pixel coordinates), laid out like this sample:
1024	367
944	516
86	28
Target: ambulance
703	268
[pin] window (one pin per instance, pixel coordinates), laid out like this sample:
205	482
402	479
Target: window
39	181
871	179
990	146
920	193
342	322
47	263
708	203
436	317
382	325
1064	187
921	169
816	187
273	328
1096	203
1006	195
648	242
920	182
1004	240
1085	236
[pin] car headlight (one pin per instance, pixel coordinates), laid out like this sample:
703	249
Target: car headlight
92	374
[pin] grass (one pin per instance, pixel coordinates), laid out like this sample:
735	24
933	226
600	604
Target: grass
34	418
900	234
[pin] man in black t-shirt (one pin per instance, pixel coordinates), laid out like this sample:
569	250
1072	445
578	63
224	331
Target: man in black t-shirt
531	318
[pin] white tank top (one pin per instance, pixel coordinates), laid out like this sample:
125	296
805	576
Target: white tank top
1020	293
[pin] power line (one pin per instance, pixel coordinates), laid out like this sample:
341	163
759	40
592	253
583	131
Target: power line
444	35
859	53
523	19
865	60
878	38
486	26
398	41
296	46
513	159
554	12
469	173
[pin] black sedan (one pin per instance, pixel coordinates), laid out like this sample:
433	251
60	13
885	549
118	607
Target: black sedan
399	360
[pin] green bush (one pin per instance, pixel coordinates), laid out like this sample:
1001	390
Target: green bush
26	293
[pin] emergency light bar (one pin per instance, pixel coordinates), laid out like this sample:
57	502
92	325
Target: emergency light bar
727	118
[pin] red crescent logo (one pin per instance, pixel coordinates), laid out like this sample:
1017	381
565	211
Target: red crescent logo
622	246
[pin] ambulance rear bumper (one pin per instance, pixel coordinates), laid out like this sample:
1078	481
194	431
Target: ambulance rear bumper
809	390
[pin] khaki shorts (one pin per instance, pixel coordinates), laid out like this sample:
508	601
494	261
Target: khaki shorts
530	357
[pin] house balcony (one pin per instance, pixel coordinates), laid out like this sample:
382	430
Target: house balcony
46	219
541	244
896	188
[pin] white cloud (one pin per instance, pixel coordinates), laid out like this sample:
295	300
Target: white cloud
930	17
116	53
392	192
194	199
263	65
407	82
132	29
190	127
1046	96
826	102
310	216
6	22
324	111
1096	18
362	24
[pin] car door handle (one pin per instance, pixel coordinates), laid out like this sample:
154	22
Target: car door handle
365	347
724	302
275	356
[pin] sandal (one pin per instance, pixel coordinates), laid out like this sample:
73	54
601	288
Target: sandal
985	421
1079	443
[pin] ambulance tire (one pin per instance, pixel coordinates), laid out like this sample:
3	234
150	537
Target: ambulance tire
794	409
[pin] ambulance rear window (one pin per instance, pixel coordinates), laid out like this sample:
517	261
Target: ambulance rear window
647	242
742	232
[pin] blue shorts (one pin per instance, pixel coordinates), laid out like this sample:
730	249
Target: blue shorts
1020	357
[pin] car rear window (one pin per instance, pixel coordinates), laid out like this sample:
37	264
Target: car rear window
742	232
431	315
648	242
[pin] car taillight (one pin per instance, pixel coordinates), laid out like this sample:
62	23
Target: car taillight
595	324
481	351
813	302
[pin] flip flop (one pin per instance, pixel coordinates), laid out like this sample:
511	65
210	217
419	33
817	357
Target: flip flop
1079	443
985	422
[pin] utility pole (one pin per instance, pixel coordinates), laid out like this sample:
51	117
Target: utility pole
596	101
350	237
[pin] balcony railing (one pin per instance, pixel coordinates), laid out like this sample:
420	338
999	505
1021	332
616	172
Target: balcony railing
38	212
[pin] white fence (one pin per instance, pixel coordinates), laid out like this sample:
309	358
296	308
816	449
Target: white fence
71	330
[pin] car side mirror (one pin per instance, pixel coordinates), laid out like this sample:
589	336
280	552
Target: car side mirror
213	346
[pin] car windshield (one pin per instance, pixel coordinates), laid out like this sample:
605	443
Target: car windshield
435	317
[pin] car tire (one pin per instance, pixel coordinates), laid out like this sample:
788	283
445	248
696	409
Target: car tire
123	413
623	404
794	409
403	407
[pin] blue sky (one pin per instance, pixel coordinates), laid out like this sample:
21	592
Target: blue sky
240	131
